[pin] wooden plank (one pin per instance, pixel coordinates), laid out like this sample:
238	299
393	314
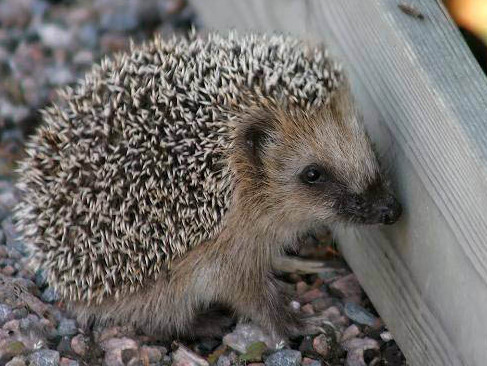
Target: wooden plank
425	101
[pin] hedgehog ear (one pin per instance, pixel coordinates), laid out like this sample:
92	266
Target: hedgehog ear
254	131
255	138
340	102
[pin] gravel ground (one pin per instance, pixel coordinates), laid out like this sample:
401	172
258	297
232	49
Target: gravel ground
44	45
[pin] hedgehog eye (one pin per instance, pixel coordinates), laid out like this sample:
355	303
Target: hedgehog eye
313	174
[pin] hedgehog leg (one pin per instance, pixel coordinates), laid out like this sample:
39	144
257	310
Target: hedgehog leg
269	306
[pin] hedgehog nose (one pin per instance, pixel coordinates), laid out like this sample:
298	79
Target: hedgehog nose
390	212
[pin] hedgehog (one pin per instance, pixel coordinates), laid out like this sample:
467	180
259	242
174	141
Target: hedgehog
169	181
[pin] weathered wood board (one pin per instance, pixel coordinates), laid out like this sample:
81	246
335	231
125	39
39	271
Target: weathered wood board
425	101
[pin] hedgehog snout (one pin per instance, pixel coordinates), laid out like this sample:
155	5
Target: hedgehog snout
369	209
388	210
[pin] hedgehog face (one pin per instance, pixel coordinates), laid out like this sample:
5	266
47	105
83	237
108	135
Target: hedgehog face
317	166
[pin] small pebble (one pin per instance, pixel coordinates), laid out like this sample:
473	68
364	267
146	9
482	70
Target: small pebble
308	309
110	332
40	278
78	345
11	348
346	287
355	358
68	362
301	288
152	354
114	347
244	335
321	304
359	315
285	357
8	270
54	36
360	343
6	314
16	361
295	305
386	336
330	274
49	295
311	295
15	13
67	327
184	357
83	58
12	239
45	357
332	313
351	332
59	75
310	362
322	345
3	248
64	346
224	360
254	352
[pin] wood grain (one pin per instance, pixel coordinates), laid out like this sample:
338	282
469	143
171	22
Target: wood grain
425	101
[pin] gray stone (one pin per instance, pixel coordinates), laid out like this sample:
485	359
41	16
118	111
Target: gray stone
15	13
20	313
285	357
54	36
59	75
7	196
88	35
346	287
10	348
41	278
45	357
39	7
78	345
184	356
311	362
16	361
118	15
84	58
12	239
6	314
152	354
67	327
349	333
64	346
360	344
8	135
323	345
113	350
29	323
68	362
359	315
386	336
246	334
330	274
355	358
50	295
224	360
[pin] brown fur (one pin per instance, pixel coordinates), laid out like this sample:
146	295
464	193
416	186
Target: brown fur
270	209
